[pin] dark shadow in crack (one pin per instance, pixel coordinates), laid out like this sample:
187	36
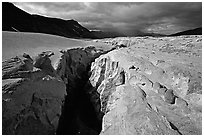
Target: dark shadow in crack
78	113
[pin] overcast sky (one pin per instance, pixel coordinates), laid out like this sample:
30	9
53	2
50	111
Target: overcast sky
163	18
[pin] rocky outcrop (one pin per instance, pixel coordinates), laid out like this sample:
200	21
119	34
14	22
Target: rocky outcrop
31	105
142	94
78	115
74	63
140	86
46	106
25	67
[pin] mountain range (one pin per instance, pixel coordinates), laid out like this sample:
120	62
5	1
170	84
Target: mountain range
15	19
196	31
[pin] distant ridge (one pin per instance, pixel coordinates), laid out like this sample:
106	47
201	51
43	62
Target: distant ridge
197	31
15	19
109	34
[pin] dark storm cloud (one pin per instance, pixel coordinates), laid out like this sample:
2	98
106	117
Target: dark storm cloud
125	17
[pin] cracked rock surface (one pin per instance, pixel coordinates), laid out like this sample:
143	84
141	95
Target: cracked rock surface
150	86
32	100
135	85
78	115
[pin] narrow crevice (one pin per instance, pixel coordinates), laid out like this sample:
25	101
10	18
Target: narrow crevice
175	128
79	115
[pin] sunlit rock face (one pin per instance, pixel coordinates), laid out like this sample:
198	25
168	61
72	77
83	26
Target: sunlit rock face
74	64
32	100
145	88
140	86
77	112
78	116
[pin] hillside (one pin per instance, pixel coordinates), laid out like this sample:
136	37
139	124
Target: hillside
15	19
197	31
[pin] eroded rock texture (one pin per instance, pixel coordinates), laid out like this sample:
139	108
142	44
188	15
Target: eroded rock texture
148	89
141	86
78	115
32	100
34	94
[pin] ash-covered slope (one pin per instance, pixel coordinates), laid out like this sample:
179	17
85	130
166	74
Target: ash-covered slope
15	19
142	85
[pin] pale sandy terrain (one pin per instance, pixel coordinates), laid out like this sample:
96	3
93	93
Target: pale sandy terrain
17	43
136	85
